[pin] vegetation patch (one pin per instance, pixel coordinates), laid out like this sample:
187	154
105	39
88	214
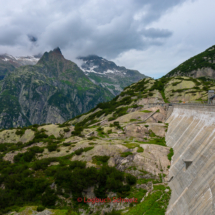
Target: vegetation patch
131	145
171	153
146	111
155	203
100	159
140	149
126	154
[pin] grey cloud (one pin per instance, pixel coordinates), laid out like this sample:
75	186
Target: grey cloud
106	28
32	38
157	33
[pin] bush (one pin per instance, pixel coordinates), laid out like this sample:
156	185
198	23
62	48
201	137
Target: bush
36	149
49	198
52	147
40	208
171	153
100	159
79	151
125	154
77	131
77	164
20	132
66	129
140	149
86	149
66	144
109	131
64	125
130	179
24	157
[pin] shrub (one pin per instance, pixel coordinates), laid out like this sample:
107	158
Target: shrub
109	131
36	149
66	129
40	208
79	151
77	164
140	149
49	198
100	159
125	154
130	179
77	131
64	125
171	153
52	147
20	132
86	149
25	157
66	144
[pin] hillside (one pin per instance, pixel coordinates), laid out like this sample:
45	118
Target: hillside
116	150
52	91
201	65
52	165
107	74
164	90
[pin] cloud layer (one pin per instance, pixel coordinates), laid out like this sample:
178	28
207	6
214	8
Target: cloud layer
114	29
106	28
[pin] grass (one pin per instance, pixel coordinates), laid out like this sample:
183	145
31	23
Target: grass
134	120
146	111
131	145
157	141
125	154
140	149
154	203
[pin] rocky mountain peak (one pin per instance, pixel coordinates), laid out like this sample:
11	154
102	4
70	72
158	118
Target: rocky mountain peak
55	55
57	51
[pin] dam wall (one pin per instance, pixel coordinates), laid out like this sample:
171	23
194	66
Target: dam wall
191	133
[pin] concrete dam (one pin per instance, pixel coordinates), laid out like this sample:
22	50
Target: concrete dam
191	133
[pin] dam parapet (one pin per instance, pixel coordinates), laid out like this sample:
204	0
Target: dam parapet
191	134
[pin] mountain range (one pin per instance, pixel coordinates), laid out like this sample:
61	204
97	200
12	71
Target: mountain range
52	91
108	74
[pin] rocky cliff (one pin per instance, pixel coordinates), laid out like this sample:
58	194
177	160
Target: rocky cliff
52	91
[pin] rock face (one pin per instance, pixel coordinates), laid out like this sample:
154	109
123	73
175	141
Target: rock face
52	91
191	134
201	65
108	74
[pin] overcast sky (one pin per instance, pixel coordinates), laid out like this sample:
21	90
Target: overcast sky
152	36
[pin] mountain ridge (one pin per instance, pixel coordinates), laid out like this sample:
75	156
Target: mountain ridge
200	65
52	91
108	74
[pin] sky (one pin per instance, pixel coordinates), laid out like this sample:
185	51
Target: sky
151	36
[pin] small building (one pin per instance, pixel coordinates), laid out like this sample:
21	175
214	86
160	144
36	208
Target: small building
211	97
